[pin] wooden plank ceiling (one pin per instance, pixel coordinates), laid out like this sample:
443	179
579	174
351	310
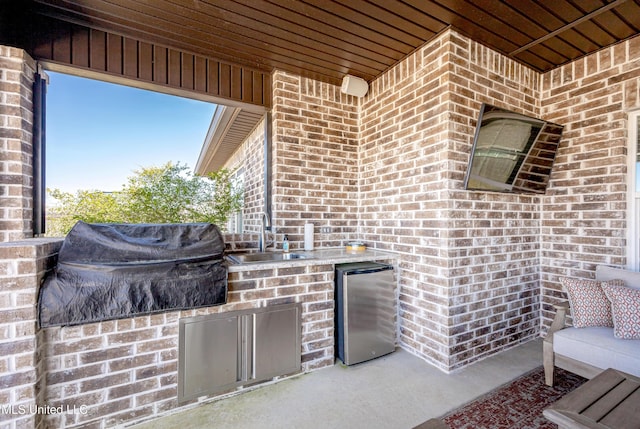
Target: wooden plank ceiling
326	39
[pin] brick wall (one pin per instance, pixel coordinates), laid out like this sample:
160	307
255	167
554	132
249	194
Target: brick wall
250	157
403	168
494	237
584	213
469	284
314	163
115	372
22	266
315	160
388	169
118	372
311	285
16	119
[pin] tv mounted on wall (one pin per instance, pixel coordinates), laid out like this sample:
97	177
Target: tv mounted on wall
511	152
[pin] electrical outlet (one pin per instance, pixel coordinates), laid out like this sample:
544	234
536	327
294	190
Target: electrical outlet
325	229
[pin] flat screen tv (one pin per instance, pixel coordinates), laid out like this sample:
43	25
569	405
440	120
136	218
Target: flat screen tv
511	152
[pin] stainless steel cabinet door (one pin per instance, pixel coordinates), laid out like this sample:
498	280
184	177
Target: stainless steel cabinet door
220	352
276	342
209	360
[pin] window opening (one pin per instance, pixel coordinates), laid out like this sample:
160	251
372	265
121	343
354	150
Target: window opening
99	134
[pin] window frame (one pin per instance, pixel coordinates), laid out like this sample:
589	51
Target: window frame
633	191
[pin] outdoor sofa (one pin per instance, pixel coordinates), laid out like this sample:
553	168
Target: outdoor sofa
605	331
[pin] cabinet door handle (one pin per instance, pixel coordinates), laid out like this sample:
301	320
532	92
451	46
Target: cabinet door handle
240	347
246	346
253	346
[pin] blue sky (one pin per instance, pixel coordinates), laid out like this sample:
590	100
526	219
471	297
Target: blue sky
99	133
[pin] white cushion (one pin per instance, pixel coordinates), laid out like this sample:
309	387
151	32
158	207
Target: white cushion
597	346
630	278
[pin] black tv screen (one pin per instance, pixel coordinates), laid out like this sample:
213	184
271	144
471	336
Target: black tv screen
511	152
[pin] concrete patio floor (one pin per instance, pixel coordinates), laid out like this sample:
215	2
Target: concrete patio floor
395	391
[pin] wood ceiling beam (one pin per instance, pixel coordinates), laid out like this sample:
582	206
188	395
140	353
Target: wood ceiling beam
568	26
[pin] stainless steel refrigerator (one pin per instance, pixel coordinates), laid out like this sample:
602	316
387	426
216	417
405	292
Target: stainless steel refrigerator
365	311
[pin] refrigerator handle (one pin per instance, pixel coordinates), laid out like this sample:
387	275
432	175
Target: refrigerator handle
369	270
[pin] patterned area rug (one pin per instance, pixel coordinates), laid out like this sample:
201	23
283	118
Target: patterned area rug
516	405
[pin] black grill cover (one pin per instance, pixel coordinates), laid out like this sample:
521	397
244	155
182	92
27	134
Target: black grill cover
112	271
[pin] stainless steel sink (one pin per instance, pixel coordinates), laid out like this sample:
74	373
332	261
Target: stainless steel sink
254	258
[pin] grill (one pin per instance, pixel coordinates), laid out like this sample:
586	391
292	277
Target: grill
115	271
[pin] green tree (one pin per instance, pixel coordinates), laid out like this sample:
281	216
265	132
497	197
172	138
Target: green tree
166	194
87	205
220	198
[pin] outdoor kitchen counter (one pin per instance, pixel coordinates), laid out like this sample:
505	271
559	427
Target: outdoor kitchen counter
308	282
335	255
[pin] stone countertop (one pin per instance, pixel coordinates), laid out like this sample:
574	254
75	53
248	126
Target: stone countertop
333	255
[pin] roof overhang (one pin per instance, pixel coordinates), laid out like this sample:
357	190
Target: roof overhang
229	127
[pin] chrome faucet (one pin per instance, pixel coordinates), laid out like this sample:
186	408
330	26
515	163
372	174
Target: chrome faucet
265	224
